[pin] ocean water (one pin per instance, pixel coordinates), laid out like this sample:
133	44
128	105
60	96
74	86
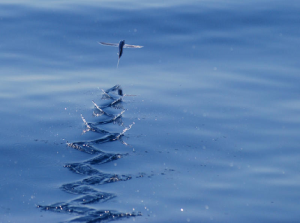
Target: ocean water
200	125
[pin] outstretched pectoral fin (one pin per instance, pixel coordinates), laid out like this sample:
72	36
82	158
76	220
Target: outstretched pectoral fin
109	44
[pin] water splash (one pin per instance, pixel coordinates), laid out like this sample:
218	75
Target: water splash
85	189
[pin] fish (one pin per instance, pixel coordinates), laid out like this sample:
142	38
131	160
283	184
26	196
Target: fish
121	45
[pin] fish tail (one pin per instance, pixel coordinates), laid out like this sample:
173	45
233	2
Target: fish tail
118	62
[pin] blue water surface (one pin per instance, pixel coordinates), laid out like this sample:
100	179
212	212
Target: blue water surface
206	129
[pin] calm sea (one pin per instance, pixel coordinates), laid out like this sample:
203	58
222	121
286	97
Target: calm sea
200	125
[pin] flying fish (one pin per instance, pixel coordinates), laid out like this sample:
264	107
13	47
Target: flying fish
121	45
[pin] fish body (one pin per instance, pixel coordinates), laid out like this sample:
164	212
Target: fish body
121	45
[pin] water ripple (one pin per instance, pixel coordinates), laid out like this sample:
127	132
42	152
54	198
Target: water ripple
84	188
